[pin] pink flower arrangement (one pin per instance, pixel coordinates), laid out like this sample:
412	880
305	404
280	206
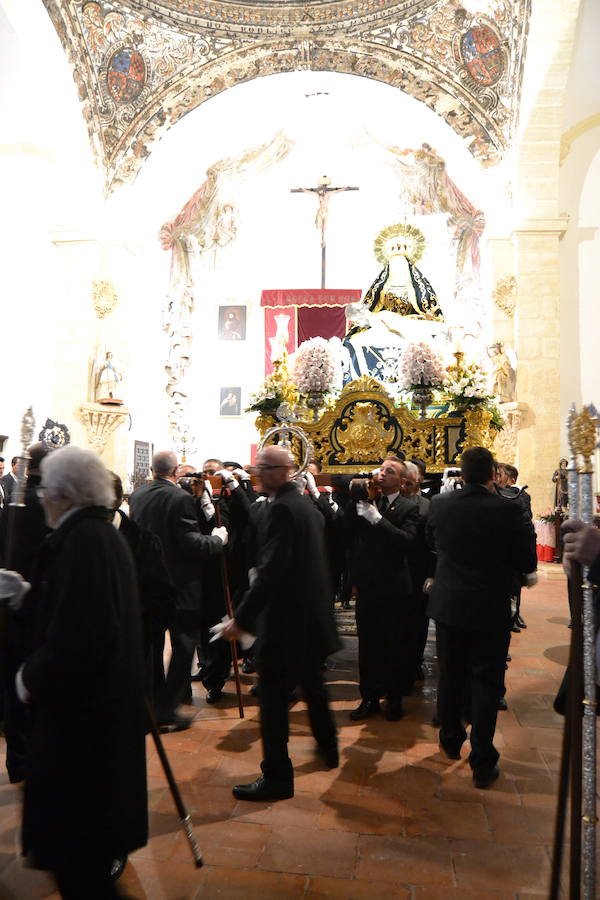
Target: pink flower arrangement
420	366
314	366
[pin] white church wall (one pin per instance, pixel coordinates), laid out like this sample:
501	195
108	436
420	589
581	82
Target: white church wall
580	247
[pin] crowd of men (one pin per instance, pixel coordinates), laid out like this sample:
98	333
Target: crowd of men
288	549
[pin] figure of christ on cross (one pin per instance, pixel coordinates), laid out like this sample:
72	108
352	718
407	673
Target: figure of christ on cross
323	190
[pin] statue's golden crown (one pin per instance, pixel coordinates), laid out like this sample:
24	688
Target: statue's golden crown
401	238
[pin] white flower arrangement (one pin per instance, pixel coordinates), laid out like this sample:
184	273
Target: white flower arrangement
420	366
268	397
469	384
314	366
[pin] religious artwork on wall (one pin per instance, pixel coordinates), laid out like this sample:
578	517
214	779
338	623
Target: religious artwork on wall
107	381
54	434
230	401
142	453
232	323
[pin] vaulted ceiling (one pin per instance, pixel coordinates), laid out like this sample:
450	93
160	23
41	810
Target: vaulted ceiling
140	65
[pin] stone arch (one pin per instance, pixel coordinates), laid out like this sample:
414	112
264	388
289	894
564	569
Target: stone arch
196	84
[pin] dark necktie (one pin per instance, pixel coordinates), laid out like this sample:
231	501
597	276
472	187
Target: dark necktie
383	504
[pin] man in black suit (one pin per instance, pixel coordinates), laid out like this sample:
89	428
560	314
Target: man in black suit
9	480
420	564
381	534
169	512
482	543
288	607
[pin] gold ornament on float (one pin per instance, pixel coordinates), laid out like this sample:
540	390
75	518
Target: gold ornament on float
104	297
582	437
399	240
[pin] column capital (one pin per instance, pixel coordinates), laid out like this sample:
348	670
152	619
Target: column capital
557	225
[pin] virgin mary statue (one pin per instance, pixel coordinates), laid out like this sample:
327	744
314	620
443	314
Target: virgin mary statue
400	306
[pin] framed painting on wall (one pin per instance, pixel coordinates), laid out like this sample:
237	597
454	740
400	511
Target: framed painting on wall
230	401
232	323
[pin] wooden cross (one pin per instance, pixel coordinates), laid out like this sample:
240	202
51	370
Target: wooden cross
323	190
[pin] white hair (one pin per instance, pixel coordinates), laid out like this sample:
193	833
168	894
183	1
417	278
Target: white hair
164	462
79	476
412	469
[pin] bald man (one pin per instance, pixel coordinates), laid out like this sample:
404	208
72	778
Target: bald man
288	607
170	513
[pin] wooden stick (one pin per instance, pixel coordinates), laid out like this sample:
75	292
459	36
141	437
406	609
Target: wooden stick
229	607
184	816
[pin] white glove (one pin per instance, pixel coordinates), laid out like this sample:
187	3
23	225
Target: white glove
208	487
12	588
228	479
207	507
241	474
311	485
369	512
531	578
221	532
300	483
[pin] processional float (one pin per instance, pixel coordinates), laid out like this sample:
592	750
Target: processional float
577	781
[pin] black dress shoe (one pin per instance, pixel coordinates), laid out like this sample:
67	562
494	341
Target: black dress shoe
176	723
367	708
508	657
451	752
330	755
214	695
520	622
264	789
394	711
515	628
502	704
482	778
197	677
247	666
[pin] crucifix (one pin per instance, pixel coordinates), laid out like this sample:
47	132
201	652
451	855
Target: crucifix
323	190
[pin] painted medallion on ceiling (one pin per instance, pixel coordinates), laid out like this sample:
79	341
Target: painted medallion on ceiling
482	55
125	75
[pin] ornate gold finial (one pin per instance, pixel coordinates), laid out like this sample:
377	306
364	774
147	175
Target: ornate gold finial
104	297
399	240
582	437
505	294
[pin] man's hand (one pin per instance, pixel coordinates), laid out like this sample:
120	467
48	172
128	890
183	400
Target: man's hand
229	481
369	512
221	532
12	588
311	485
580	542
241	474
231	632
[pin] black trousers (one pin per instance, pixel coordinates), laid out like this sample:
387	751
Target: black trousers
471	665
274	720
87	880
386	639
184	630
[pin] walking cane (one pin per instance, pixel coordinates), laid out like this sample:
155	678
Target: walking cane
184	816
229	607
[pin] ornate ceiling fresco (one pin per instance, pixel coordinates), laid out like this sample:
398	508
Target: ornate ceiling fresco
140	65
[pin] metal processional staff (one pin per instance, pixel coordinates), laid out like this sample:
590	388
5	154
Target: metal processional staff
578	761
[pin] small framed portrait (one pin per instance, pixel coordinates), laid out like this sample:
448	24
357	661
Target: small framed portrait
230	402
232	323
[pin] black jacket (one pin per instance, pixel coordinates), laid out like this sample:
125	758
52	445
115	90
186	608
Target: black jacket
379	555
288	606
85	781
169	512
482	544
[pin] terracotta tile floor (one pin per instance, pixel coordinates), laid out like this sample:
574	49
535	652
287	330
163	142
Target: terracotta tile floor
396	820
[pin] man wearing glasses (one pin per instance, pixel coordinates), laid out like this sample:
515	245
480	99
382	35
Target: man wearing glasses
288	607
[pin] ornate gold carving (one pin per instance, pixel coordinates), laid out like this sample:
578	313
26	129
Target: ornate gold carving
505	294
101	422
582	437
478	431
104	297
365	437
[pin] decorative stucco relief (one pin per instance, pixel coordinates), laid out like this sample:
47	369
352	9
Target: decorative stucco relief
140	66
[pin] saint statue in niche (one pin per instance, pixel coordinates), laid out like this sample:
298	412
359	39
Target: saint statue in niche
400	306
504	374
107	382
